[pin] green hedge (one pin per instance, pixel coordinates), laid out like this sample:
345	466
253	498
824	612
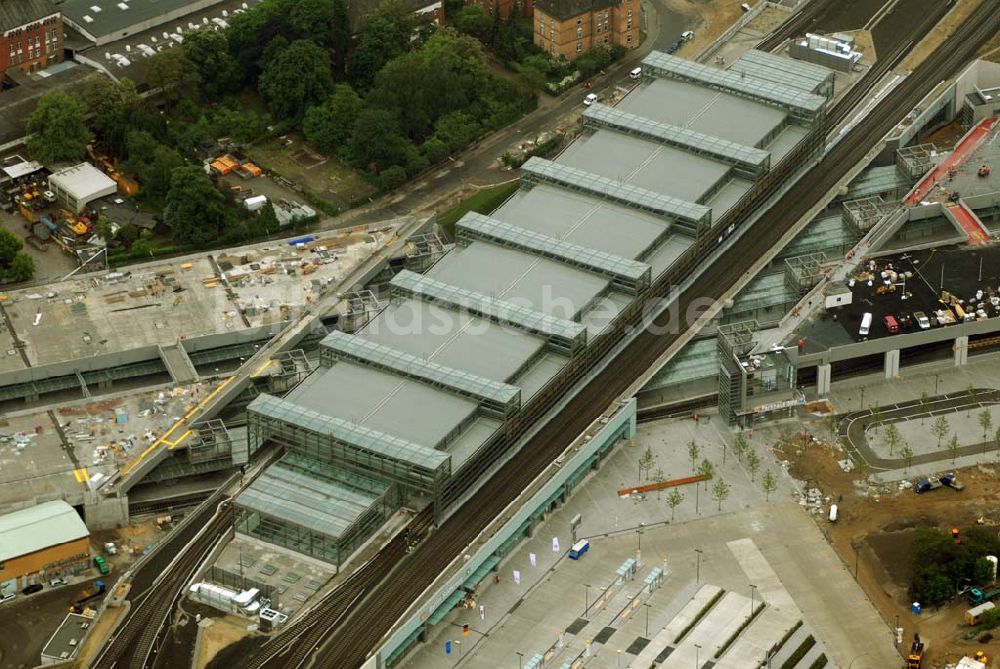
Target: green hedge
732	637
788	635
701	614
799	653
483	202
819	663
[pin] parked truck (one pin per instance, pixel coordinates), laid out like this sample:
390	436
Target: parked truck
99	588
952	481
979	596
927	484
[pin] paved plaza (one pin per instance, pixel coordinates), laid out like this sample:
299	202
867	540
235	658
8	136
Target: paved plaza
773	545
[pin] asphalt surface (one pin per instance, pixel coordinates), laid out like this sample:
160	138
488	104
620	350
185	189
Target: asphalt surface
853	426
27	622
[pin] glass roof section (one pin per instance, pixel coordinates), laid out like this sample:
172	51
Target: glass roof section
540	169
318	505
567	333
367	352
802	68
348	433
627	271
806	104
782	71
754	159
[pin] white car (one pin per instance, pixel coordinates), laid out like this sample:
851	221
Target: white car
590	99
56	582
6	598
687	35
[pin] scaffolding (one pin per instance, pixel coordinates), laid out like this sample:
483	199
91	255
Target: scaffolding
565	336
803	273
362	305
494	397
734	341
211	442
423	251
690	217
917	160
865	213
626	274
749	161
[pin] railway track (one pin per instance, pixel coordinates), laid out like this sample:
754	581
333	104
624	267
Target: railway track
136	641
363	627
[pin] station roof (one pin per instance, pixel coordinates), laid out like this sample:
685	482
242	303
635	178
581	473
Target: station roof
787	71
319	505
709	112
35	528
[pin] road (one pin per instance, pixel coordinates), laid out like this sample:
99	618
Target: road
853	427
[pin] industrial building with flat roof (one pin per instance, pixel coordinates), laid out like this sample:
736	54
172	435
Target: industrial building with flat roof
45	540
421	395
105	21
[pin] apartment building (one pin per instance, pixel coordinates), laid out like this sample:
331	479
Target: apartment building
31	34
571	28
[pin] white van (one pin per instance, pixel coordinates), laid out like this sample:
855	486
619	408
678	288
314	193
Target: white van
635	74
833	513
687	35
866	324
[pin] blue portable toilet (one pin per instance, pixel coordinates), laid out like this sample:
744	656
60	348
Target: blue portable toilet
915	608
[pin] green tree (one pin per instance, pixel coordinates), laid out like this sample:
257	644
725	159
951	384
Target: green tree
659	474
152	162
15	266
295	79
208	52
456	130
740	445
925	400
985	421
57	128
646	462
240	125
674	500
768	485
720	491
953	447
324	22
940	428
906	453
706	469
753	464
385	35
982	571
172	71
267	220
892	436
473	20
990	619
876	414
329	126
693	452
195	210
376	142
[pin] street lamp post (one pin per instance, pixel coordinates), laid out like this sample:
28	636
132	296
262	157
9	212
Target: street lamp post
862	398
697	576
937	377
648	606
586	598
520	657
697	656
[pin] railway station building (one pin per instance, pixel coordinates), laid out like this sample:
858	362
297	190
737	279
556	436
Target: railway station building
436	390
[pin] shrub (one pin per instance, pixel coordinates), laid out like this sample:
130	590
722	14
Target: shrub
701	614
818	663
799	653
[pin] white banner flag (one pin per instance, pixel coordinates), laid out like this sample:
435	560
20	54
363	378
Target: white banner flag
482	612
555	544
531	559
517	577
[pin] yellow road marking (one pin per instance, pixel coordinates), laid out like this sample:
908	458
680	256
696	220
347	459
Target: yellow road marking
263	366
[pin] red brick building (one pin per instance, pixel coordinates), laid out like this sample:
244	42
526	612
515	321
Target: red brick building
571	28
505	7
31	35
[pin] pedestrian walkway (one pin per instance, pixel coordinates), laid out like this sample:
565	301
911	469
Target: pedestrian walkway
971	225
963	150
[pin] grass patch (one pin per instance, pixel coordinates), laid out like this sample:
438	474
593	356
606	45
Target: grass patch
799	653
732	637
819	663
483	202
701	614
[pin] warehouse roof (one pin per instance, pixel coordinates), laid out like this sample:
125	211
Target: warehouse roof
16	13
37	527
98	19
82	181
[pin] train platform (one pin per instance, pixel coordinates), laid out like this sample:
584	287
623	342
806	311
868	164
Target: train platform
772	545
